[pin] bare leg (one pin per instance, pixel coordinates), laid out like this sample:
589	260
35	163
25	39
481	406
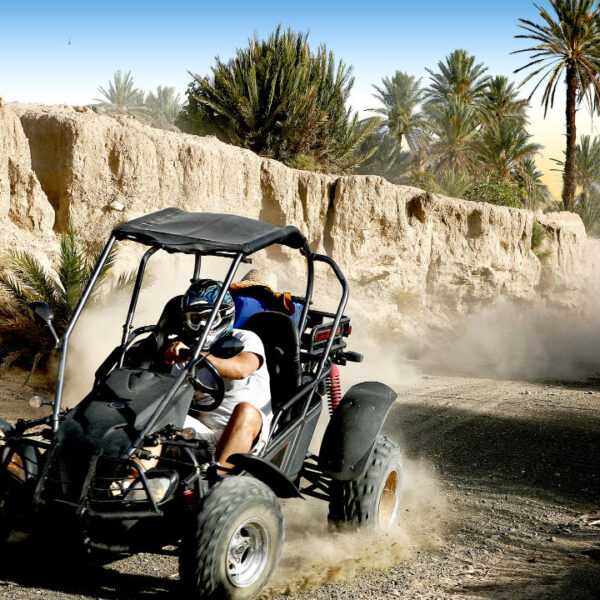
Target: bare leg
243	428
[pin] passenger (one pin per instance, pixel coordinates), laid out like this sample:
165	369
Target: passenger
241	423
257	292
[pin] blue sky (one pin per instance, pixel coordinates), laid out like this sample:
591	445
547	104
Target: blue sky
160	42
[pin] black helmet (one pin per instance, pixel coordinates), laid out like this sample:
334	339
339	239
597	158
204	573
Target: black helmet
197	304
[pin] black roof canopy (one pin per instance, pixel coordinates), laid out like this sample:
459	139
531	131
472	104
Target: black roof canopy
176	230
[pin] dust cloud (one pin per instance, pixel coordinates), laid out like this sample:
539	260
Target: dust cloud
313	556
515	341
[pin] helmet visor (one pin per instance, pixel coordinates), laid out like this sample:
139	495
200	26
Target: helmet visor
196	320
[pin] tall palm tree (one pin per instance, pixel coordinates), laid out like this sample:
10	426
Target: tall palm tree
122	97
388	160
454	183
458	77
454	126
529	178
163	107
401	95
569	44
502	147
500	101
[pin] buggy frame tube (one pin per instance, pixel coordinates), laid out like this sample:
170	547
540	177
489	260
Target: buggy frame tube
322	367
136	293
184	373
197	266
309	292
65	341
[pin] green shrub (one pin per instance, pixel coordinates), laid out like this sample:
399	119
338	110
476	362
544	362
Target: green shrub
538	235
501	192
303	162
424	180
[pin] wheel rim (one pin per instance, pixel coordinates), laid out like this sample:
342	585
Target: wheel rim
389	500
248	552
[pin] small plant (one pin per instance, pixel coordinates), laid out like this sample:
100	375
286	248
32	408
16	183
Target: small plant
304	162
22	341
424	180
538	235
501	192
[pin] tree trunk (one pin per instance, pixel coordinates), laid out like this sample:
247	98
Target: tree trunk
568	194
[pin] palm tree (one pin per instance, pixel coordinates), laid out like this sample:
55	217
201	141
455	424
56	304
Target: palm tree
400	96
454	183
122	98
500	101
568	44
163	107
280	100
529	177
459	77
502	147
24	342
454	126
587	165
387	160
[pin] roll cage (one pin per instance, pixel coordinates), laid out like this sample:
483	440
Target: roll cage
234	237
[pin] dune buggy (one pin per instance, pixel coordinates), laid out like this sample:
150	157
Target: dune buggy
82	469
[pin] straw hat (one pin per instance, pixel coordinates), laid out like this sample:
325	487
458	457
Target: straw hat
261	277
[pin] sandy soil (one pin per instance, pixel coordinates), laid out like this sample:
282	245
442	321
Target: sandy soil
502	491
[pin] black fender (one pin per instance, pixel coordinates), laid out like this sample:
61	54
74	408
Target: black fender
266	472
353	428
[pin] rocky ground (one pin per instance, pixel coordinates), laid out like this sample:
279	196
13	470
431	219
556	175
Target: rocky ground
502	491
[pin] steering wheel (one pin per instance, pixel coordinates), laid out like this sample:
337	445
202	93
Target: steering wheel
213	385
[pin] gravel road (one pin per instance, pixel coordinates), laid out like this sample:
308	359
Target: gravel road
502	499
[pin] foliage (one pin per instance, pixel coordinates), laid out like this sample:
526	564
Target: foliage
529	177
424	180
538	235
158	109
502	147
454	125
589	211
501	192
458	78
163	107
23	342
280	100
385	159
454	183
122	97
400	96
500	102
566	48
305	162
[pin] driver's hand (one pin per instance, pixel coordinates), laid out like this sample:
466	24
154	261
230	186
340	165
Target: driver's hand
177	352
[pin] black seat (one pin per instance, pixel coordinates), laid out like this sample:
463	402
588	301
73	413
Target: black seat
279	335
148	353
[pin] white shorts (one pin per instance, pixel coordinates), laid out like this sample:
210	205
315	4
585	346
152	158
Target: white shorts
204	432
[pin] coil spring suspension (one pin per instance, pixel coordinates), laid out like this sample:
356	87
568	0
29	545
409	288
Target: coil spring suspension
334	389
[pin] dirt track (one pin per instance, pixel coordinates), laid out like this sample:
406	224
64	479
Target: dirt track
504	505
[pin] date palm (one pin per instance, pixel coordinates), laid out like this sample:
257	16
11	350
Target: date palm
454	126
502	147
566	44
458	77
529	177
500	101
122	97
400	96
23	342
163	107
279	99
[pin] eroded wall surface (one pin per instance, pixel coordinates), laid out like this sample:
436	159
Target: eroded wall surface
420	254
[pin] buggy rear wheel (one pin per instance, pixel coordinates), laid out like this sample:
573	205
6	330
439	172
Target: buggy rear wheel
372	501
234	541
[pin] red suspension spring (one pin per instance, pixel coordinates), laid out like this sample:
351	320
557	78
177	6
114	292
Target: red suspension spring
334	389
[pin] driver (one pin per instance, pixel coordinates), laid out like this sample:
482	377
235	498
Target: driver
241	423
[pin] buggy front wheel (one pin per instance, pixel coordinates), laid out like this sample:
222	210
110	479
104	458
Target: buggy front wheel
234	541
